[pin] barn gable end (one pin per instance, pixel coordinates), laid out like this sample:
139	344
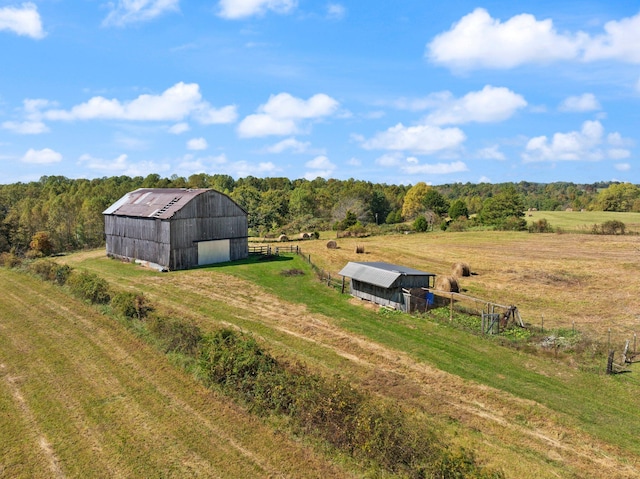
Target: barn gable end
175	228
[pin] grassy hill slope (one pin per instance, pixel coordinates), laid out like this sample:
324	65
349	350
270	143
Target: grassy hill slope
527	415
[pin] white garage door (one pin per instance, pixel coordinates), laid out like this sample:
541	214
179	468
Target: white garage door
210	252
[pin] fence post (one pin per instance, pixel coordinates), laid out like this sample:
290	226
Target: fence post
342	285
451	309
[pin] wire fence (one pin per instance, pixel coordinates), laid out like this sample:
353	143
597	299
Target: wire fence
483	317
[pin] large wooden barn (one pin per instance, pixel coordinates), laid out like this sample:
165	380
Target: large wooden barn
174	228
389	285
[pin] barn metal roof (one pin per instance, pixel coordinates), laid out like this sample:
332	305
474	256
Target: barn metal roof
379	273
161	203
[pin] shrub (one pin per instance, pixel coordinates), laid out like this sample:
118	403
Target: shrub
540	226
90	287
613	227
459	225
51	271
176	335
10	260
41	243
421	224
130	305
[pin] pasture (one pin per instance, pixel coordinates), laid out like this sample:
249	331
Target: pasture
83	393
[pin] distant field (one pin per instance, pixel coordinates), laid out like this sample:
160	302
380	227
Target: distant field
582	221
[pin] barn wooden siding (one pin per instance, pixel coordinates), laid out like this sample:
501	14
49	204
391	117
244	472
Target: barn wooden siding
172	243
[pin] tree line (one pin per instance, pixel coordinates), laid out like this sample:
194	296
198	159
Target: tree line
59	214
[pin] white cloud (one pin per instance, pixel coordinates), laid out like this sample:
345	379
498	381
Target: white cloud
289	144
335	11
389	159
420	139
122	166
283	113
621	41
320	167
319	163
26	127
45	156
23	20
584	145
414	168
622	167
582	103
491	153
179	128
478	41
197	144
243	168
207	115
432	100
134	11
234	9
354	162
491	104
174	104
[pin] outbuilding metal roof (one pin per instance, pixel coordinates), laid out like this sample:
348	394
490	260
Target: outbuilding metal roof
161	203
378	273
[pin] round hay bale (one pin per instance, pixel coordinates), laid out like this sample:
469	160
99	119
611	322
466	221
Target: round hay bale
447	283
283	238
359	249
303	236
332	244
461	269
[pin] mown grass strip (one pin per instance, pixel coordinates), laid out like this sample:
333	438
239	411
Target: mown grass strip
607	407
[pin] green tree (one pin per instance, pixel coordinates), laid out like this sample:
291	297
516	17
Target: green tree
434	201
505	210
618	197
421	224
413	203
457	209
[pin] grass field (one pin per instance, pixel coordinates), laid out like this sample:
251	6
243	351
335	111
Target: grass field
582	221
82	393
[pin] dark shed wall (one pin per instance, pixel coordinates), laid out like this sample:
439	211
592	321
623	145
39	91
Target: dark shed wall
391	296
146	239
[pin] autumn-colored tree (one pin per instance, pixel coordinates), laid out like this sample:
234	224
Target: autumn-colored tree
41	243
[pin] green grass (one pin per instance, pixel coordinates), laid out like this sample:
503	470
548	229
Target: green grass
608	407
110	406
582	221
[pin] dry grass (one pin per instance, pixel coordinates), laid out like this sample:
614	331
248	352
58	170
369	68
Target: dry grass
588	280
82	397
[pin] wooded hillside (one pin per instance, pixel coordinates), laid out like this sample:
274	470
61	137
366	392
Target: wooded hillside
69	211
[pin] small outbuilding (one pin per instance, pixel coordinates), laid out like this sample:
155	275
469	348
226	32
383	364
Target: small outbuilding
176	228
389	285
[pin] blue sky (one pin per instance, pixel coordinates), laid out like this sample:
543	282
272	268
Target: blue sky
389	92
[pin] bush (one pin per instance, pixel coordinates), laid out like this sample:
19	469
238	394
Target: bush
10	260
176	335
130	305
49	270
41	243
421	224
459	225
611	227
540	226
90	287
